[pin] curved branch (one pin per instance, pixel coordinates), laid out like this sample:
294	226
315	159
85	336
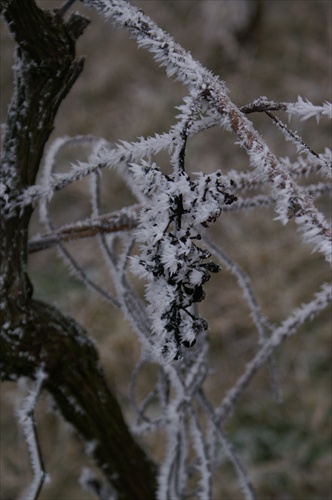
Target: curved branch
122	220
75	380
127	218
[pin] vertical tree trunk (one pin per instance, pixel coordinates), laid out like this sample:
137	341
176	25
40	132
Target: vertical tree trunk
34	334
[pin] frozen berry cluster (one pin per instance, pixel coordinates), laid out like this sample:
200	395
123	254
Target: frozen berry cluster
171	259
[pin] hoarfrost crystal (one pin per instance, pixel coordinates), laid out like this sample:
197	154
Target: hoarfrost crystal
175	267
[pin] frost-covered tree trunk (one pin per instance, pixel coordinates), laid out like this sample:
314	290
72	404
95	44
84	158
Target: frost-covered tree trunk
34	335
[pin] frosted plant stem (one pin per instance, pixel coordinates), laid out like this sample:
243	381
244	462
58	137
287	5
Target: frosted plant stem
132	389
46	219
113	222
141	408
205	468
189	111
129	302
239	467
244	479
298	141
26	417
286	329
126	219
168	473
119	155
248	293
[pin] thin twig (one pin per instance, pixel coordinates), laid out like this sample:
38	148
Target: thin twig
292	135
256	313
291	325
230	452
126	219
27	420
262	104
122	220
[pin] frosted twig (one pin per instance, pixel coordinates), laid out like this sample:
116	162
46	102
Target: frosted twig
121	220
141	409
173	472
301	108
189	111
305	109
118	155
166	51
204	464
131	305
262	104
300	144
244	479
250	203
239	467
46	219
26	418
291	325
248	293
302	167
197	372
127	218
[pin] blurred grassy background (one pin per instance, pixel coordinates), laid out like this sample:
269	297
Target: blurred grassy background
123	94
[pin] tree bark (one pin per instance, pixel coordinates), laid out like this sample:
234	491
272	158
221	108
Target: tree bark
35	334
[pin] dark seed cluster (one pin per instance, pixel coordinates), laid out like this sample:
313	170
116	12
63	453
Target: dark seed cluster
171	258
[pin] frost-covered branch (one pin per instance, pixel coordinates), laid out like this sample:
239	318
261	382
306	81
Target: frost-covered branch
26	418
306	312
301	146
303	109
256	313
122	220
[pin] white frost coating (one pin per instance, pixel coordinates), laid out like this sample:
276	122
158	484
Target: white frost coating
90	447
87	478
106	157
166	485
45	216
305	109
204	465
174	266
172	472
315	235
166	51
27	421
4	192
